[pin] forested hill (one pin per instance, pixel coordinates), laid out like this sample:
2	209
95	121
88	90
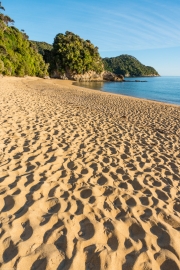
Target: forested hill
44	49
42	46
124	64
18	56
128	66
69	54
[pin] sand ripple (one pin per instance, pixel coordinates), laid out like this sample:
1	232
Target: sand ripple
88	180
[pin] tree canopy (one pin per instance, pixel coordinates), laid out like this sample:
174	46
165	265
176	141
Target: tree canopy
44	49
72	54
68	54
128	65
18	56
42	46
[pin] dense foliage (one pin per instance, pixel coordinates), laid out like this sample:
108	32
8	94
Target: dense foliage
72	54
69	54
18	56
128	66
42	46
44	49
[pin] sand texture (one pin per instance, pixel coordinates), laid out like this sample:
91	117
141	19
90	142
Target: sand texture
88	180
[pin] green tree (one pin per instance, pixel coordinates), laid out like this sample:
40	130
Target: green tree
18	57
72	54
44	49
6	19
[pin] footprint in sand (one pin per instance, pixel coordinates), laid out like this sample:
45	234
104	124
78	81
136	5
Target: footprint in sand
61	242
136	232
92	261
8	203
51	206
164	239
49	232
169	264
112	239
80	207
39	264
86	193
102	180
87	229
28	231
10	252
147	214
144	200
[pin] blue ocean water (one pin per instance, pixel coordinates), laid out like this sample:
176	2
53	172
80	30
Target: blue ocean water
164	89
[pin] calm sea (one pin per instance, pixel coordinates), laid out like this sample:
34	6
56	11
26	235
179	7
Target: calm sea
164	89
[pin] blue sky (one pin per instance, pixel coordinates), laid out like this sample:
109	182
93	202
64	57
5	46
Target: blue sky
148	30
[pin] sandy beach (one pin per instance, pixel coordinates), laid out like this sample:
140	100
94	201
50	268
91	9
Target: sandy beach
88	180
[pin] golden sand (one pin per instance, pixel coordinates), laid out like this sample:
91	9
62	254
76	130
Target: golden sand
88	180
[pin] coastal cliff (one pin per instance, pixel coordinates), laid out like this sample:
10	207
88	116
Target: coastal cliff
90	76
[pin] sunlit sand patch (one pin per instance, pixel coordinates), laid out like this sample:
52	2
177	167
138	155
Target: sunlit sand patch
88	180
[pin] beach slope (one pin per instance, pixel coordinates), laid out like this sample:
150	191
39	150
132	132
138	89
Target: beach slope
88	180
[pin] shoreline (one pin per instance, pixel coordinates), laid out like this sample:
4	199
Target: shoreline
88	179
120	94
67	83
123	95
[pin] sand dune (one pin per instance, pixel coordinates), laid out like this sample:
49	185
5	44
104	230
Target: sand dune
88	180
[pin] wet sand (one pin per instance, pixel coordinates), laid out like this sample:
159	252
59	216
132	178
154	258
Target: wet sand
88	180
